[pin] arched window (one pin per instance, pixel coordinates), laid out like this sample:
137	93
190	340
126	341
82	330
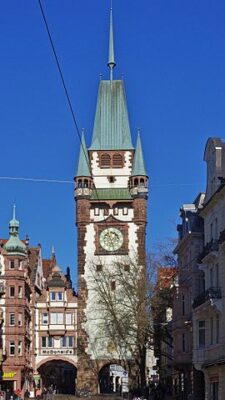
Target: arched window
79	183
117	161
142	182
105	161
85	183
136	182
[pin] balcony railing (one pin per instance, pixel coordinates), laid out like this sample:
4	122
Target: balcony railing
211	246
210	293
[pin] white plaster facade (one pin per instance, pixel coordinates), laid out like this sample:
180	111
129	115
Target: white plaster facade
98	344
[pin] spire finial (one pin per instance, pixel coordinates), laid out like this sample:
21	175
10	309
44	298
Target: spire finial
111	62
14	211
53	250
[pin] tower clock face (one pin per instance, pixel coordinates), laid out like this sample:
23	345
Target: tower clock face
111	239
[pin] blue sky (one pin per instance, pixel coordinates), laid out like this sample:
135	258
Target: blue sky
172	57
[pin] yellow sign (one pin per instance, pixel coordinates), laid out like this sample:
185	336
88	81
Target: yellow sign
7	375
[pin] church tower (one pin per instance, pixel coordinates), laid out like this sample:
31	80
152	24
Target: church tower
111	213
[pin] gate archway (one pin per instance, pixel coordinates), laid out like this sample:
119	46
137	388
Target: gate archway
60	375
110	378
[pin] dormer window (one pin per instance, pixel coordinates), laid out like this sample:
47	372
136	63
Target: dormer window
117	161
56	296
111	161
105	161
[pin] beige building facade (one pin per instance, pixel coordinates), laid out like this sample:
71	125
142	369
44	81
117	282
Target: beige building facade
209	306
187	381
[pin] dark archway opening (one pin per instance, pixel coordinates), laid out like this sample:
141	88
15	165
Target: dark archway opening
110	378
60	375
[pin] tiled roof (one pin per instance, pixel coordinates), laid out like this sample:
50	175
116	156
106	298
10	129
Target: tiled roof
33	261
166	276
111	194
47	267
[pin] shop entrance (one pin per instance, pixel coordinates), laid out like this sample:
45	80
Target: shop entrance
60	375
7	387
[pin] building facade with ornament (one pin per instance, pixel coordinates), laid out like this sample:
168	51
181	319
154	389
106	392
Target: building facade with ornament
39	319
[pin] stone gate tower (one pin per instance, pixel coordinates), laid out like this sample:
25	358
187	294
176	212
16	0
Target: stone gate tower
111	202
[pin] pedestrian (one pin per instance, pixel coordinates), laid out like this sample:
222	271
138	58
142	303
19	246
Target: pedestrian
7	394
26	394
38	393
44	393
50	392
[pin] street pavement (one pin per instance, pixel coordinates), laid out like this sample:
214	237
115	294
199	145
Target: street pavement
97	397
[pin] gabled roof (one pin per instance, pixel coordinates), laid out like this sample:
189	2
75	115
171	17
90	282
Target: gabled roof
139	164
111	126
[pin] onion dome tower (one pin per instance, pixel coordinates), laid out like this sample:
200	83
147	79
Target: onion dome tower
14	246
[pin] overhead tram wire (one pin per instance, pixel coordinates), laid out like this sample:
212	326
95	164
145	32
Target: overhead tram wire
66	90
67	181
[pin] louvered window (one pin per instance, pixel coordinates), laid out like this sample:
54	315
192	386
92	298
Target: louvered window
105	161
117	161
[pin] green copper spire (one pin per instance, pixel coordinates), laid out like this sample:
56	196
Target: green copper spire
111	126
111	62
83	168
14	245
138	164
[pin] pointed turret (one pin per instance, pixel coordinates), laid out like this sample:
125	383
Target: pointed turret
14	246
83	179
139	178
83	168
138	164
